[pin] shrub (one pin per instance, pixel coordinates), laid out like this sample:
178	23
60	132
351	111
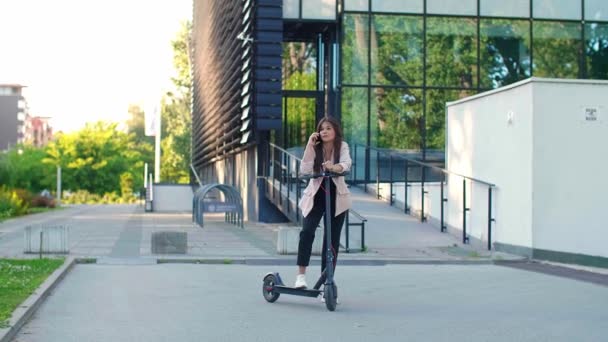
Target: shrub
24	195
43	202
84	197
11	204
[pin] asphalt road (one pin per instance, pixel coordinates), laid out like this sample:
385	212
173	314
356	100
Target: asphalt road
177	302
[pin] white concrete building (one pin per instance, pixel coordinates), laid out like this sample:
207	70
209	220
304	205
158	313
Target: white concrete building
543	143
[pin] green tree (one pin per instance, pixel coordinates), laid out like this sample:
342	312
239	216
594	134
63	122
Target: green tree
22	167
95	157
143	144
176	114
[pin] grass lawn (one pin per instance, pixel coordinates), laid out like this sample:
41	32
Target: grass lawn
19	279
34	211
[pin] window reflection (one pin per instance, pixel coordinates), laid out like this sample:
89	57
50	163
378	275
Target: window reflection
396	118
502	8
451	7
299	66
556	47
354	115
451	52
505	52
596	10
319	9
557	9
291	9
356	5
596	50
299	120
396	44
397	6
355	60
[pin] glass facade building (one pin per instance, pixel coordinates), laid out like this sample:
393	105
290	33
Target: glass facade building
402	60
268	70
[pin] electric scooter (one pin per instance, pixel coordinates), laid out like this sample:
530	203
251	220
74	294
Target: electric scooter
273	285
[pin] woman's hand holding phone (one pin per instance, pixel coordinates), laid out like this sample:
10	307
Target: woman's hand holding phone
314	139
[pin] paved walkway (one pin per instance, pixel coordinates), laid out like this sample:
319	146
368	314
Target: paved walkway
119	232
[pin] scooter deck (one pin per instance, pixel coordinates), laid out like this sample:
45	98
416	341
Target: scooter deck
297	292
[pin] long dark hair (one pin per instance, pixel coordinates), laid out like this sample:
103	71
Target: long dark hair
337	143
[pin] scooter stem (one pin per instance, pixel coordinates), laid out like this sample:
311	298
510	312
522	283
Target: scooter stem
329	265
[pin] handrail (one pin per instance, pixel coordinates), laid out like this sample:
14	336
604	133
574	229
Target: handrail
285	151
359	217
393	153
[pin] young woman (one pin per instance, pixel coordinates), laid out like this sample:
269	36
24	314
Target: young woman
325	150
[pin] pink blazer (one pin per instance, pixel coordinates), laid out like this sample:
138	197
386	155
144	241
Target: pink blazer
343	200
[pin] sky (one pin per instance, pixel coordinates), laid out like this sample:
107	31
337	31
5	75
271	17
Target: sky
84	61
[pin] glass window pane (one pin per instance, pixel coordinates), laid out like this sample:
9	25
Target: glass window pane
505	51
435	115
596	10
451	52
502	8
291	9
355	61
596	50
396	118
397	6
396	50
556	49
319	9
299	66
354	126
356	5
557	9
461	7
299	120
354	115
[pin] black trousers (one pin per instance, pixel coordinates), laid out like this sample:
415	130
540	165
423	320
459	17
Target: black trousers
311	222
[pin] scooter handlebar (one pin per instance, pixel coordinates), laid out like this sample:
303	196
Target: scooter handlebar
323	174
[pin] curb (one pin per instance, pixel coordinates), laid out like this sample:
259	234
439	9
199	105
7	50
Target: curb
26	309
343	262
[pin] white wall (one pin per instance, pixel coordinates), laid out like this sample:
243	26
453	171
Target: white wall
482	143
549	163
172	197
570	167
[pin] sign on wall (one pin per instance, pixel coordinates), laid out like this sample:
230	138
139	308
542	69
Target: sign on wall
591	114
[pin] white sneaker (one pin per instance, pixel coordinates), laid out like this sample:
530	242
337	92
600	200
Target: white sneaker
301	282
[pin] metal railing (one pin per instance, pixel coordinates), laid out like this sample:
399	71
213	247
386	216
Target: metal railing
284	167
426	171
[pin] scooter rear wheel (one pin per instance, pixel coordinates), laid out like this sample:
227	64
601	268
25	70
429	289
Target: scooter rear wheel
268	288
330	293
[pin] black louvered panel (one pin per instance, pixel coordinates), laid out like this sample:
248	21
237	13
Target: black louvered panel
247	82
268	35
237	75
218	68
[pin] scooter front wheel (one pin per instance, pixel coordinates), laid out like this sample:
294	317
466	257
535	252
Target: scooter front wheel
330	293
268	288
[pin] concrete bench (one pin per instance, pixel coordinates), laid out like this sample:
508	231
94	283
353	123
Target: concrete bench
289	237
